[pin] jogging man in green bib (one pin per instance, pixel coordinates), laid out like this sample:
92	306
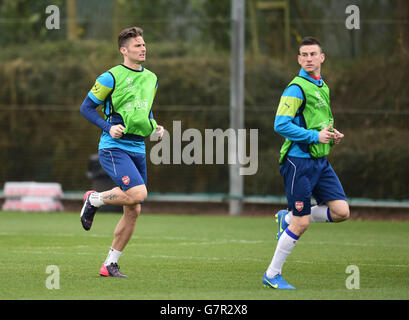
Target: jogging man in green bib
126	93
305	120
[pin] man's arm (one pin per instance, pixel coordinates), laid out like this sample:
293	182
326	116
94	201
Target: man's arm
96	96
88	110
284	123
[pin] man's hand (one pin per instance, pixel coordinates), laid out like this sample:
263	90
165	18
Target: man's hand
116	131
338	136
159	131
325	135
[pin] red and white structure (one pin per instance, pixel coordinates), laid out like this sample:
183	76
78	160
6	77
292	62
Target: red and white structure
32	196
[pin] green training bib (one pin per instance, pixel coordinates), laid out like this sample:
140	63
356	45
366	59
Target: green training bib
317	115
132	98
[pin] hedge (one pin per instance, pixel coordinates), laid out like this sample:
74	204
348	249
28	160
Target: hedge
46	139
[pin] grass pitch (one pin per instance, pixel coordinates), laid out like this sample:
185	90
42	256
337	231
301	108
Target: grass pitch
193	257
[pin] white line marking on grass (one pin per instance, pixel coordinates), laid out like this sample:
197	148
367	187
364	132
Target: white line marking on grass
355	244
161	256
204	241
217	242
42	234
155	256
358	264
384	265
185	241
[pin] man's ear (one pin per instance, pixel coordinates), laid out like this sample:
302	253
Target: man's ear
123	50
322	57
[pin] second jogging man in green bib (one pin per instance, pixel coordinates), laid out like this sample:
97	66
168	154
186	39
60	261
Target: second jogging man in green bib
126	93
305	120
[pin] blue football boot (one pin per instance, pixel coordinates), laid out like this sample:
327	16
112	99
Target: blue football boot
282	225
276	282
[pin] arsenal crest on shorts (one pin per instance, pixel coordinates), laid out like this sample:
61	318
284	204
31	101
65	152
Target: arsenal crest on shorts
299	205
126	180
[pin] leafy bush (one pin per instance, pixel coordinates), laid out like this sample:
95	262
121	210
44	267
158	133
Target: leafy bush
47	139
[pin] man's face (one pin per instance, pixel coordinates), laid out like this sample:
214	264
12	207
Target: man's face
311	58
134	50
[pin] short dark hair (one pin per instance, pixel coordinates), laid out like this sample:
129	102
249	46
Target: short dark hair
308	41
128	33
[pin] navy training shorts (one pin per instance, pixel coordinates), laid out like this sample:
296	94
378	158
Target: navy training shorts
304	177
127	169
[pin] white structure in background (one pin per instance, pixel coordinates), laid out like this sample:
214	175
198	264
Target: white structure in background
32	196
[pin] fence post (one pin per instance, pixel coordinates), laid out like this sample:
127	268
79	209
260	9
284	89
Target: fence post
236	102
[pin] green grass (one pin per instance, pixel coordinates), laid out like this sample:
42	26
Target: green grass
193	257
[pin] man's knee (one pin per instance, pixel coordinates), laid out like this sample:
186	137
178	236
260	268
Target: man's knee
136	195
140	197
343	214
339	210
299	225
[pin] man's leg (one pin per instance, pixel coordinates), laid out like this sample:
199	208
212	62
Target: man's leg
286	243
332	211
125	227
299	224
298	186
134	197
329	192
122	234
319	213
128	171
339	210
288	239
93	200
123	230
130	197
328	187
